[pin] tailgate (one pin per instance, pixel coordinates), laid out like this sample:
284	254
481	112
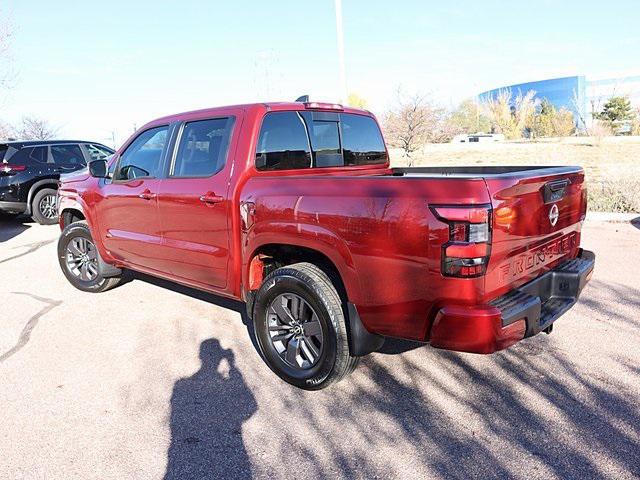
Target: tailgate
537	217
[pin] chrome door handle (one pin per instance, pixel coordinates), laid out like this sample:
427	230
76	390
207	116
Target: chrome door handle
147	195
211	198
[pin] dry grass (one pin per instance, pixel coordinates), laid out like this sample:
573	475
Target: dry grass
612	164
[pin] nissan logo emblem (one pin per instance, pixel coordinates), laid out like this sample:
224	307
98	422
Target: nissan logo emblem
553	215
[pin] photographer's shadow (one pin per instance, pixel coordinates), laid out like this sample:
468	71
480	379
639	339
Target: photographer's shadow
207	413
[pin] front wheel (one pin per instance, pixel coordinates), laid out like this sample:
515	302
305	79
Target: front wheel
80	260
301	329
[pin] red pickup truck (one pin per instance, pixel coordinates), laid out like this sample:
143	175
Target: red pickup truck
293	209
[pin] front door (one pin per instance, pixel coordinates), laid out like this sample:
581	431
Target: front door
127	211
193	203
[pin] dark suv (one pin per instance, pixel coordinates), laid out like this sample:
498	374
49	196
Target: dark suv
29	174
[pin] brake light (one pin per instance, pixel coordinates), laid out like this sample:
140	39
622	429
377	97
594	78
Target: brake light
323	106
466	253
8	168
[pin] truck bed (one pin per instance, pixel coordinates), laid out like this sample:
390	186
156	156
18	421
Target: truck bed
487	171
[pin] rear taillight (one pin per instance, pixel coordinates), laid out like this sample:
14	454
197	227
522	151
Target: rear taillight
11	169
466	253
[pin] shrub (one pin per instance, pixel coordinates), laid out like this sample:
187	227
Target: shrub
551	122
619	195
635	124
600	129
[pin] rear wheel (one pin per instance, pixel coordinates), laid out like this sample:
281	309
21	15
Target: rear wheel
80	260
44	208
301	329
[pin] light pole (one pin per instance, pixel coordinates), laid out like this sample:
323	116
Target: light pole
343	75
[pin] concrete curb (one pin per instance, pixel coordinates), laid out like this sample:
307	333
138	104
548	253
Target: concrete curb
612	217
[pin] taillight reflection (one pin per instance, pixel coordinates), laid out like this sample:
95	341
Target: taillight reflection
9	169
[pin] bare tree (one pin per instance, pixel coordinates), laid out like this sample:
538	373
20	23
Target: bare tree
36	129
6	72
578	107
6	131
413	122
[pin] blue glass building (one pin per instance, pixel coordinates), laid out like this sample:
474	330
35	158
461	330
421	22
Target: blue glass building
565	92
580	96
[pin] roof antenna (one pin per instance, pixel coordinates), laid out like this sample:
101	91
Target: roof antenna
303	99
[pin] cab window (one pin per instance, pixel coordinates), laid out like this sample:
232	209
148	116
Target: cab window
142	158
203	147
283	143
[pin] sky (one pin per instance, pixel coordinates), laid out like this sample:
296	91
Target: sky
97	70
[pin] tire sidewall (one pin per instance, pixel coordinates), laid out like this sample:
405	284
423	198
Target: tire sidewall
286	282
35	207
70	232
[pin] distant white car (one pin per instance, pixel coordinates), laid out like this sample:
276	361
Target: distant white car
478	137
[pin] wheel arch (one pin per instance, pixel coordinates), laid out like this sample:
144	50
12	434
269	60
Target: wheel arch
270	256
70	215
36	187
331	256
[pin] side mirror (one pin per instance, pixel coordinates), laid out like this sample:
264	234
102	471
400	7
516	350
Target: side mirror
99	169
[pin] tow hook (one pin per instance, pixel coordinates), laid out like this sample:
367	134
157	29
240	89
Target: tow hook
549	329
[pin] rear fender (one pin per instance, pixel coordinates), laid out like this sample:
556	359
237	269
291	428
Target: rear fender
313	237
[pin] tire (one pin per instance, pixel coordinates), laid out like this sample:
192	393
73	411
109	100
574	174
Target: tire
295	351
76	239
41	207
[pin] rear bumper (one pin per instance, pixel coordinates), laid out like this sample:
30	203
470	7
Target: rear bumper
523	312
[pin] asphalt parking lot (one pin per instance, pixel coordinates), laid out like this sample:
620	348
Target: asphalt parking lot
151	380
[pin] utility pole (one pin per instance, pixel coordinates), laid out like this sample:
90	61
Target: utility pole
339	31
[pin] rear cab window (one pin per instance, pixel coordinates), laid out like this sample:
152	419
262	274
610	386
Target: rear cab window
283	143
312	139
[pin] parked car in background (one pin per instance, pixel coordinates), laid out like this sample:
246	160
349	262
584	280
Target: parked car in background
30	170
293	208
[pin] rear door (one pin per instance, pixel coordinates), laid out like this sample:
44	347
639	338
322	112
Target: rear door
127	210
193	201
537	217
21	169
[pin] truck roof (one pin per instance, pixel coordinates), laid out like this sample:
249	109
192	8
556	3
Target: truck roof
26	143
268	106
